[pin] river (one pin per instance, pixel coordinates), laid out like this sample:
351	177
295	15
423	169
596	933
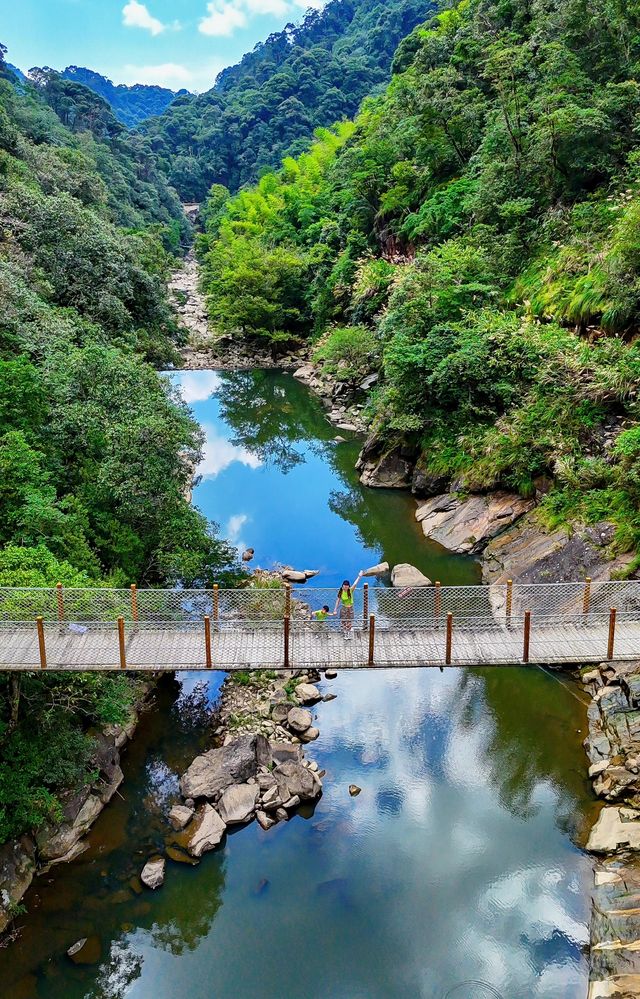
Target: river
455	874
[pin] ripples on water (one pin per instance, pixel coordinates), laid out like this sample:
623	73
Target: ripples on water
453	874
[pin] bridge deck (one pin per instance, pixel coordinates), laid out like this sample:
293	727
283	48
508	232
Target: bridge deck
181	645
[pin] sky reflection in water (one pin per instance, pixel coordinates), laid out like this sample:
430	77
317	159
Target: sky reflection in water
455	863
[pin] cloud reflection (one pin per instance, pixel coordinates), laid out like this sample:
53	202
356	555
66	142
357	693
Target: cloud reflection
219	454
197	386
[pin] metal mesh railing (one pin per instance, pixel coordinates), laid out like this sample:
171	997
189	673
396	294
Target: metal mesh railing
272	627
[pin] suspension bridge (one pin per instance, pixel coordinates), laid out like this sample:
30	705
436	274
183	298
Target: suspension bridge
273	628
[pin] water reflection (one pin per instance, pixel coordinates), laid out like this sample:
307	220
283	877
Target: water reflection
455	863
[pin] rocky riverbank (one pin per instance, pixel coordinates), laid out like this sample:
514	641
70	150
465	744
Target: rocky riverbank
613	748
57	843
257	768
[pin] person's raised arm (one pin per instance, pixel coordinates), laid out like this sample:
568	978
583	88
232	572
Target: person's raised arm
358	578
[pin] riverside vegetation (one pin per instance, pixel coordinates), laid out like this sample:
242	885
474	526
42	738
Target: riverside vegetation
96	449
471	238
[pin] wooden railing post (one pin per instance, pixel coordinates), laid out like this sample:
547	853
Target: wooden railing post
207	641
449	643
287	629
509	600
287	600
123	657
365	606
41	643
526	641
437	601
612	633
372	638
60	600
134	602
586	597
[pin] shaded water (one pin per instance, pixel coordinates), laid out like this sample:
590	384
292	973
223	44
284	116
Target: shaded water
457	861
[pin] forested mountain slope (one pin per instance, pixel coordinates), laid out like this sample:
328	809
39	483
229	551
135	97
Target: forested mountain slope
474	239
268	105
131	105
95	450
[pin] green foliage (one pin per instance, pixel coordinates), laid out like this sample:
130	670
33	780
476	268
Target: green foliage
96	449
270	103
348	352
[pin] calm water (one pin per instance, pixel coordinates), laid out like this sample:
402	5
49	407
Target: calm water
457	862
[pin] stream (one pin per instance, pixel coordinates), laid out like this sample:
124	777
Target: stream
455	874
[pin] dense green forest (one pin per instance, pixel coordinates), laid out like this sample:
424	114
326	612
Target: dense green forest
96	450
300	78
474	239
131	105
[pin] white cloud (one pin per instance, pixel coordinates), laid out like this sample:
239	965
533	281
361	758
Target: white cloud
224	16
136	15
168	74
222	19
197	386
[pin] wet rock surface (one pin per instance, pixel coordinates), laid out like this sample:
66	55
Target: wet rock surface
381	467
466	525
526	553
613	748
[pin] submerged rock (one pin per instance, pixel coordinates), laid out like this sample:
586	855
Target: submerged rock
354	790
85	951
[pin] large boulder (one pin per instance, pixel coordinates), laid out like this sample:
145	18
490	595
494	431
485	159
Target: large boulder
238	803
283	752
299	719
79	811
217	769
425	483
152	874
17	868
384	468
204	833
467	525
615	829
404	574
294	779
308	693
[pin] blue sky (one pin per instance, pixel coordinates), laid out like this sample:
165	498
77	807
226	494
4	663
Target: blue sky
175	43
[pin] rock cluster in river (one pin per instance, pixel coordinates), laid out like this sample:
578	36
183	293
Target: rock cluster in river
613	748
343	400
259	771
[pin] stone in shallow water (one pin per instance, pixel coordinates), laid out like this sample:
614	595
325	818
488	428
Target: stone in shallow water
85	951
308	693
180	815
615	828
213	771
153	872
354	790
204	832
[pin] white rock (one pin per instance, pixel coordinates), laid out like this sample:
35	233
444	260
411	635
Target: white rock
597	768
610	832
307	693
206	831
238	803
381	569
180	815
404	574
153	872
